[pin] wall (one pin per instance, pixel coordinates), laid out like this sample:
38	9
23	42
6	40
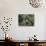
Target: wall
11	8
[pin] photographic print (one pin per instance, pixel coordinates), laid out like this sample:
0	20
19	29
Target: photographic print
26	19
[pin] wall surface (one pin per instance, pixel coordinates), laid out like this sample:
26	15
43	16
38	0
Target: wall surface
11	8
